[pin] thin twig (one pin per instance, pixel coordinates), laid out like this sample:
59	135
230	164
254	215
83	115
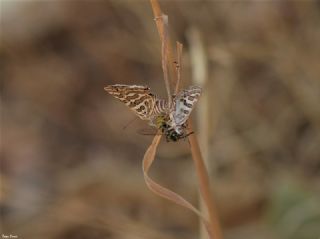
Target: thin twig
198	58
204	185
170	57
164	53
178	66
214	228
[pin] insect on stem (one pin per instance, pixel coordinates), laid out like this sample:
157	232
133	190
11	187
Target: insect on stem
171	121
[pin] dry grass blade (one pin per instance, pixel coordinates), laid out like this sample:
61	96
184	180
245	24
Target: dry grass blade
170	58
164	52
204	185
155	187
162	191
198	55
178	66
212	226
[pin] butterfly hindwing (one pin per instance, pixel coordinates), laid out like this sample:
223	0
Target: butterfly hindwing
184	103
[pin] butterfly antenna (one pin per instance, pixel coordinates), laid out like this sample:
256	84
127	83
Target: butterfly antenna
129	123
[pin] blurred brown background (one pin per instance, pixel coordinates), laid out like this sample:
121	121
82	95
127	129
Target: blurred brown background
70	170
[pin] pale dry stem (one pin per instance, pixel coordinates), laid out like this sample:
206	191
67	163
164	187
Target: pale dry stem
170	56
178	67
212	226
199	66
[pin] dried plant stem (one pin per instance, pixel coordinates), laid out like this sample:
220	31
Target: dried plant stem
199	68
213	226
178	66
170	57
205	186
164	51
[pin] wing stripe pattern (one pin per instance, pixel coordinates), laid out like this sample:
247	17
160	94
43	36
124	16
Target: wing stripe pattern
137	98
184	103
161	106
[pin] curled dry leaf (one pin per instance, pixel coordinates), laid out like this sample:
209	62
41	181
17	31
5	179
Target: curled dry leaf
148	159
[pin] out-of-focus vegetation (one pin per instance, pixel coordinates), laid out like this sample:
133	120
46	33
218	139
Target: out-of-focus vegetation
69	170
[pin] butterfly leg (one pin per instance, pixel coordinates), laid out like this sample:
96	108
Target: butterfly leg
184	137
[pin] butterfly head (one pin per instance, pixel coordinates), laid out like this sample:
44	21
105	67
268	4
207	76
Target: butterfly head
172	135
175	133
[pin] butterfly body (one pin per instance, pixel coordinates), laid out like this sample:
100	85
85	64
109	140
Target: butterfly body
171	120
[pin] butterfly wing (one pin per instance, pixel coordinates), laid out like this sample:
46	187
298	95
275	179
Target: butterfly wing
184	103
137	98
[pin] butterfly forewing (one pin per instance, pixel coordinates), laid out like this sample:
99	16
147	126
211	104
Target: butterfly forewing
184	103
137	98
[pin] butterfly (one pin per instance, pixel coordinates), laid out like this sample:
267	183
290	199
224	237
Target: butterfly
170	119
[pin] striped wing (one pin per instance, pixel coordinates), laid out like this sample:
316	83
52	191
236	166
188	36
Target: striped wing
184	103
137	98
